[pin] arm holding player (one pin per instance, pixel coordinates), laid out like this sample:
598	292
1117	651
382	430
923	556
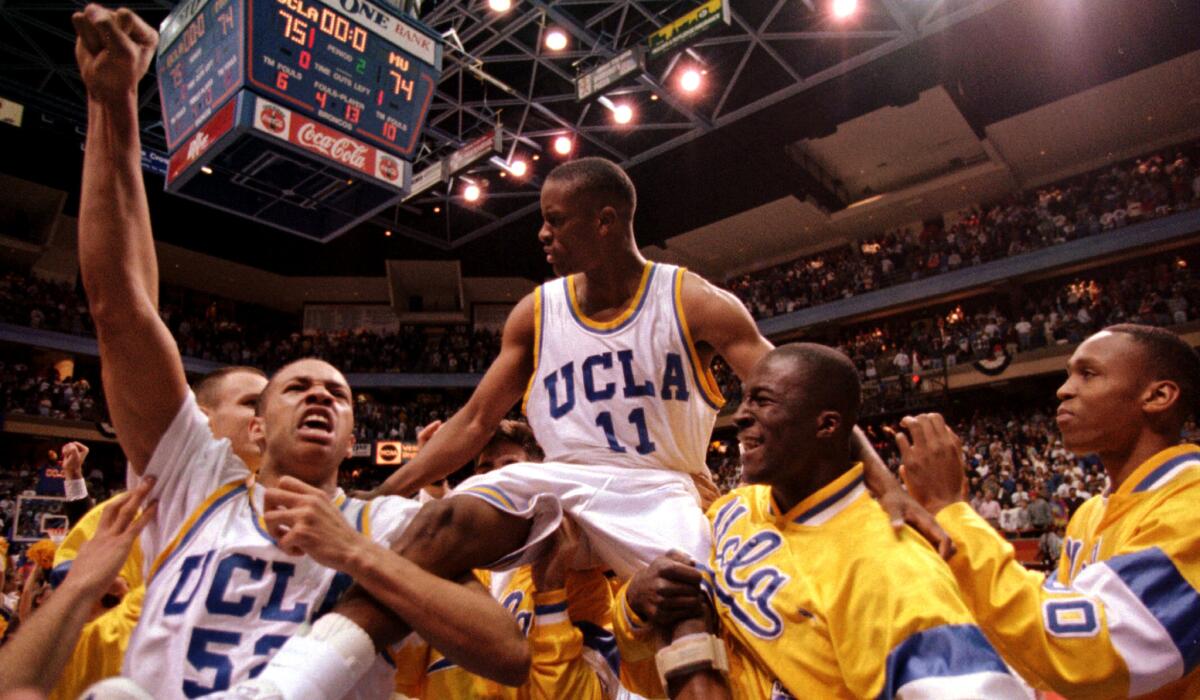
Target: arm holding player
662	602
468	430
718	319
142	371
36	656
304	520
1090	636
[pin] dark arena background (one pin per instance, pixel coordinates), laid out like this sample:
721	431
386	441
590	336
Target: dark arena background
952	193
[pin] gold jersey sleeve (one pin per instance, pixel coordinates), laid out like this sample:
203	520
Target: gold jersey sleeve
1120	617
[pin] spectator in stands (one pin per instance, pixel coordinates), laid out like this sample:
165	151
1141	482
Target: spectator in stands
1041	516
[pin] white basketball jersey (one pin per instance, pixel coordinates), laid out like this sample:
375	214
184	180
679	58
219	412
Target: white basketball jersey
221	597
629	392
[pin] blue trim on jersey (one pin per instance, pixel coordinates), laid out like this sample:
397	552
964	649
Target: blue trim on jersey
440	665
1150	481
1156	581
939	652
625	324
683	338
837	496
258	526
550	609
358	524
602	642
212	508
58	573
499	499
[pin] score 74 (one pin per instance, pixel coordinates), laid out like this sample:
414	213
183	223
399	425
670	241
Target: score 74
402	85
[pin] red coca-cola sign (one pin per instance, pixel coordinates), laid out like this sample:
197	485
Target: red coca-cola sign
340	148
272	119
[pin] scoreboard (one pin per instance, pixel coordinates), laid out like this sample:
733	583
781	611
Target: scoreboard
354	65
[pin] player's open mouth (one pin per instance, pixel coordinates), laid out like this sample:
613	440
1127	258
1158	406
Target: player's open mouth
316	425
749	443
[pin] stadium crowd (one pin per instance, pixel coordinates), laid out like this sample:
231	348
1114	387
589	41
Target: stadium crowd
1086	205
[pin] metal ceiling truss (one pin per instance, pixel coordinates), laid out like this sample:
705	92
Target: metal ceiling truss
497	71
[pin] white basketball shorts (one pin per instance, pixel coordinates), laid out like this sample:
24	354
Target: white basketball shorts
629	517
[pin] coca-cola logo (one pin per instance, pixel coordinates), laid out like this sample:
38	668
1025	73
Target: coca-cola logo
341	149
198	144
272	119
389	169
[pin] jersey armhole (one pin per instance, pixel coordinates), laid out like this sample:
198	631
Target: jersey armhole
703	376
539	308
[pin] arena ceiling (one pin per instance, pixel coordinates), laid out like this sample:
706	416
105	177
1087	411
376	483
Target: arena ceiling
783	71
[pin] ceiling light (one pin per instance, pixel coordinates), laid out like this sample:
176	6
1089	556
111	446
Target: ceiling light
842	9
556	40
500	5
563	145
388	233
622	114
437	210
206	170
471	192
518	167
690	80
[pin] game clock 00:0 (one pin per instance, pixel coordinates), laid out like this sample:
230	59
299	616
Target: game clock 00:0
340	70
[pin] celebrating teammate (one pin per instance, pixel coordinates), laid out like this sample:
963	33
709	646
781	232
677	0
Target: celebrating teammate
1120	617
222	595
227	396
813	594
612	361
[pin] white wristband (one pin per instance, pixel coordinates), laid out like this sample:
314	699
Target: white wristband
76	489
691	653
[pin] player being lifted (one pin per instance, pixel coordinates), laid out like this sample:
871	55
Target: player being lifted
612	360
1120	617
221	594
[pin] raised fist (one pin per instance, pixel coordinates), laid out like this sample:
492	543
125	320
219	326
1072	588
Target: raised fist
114	49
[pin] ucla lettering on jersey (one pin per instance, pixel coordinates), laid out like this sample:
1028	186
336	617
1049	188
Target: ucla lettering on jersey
627	392
221	596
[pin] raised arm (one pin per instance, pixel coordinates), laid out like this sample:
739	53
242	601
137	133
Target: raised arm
718	321
465	434
140	364
1126	625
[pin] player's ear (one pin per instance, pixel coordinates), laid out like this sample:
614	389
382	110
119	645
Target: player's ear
1160	397
828	423
608	220
258	432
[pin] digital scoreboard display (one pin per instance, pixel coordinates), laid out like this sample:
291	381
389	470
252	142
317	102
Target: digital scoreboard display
354	65
199	63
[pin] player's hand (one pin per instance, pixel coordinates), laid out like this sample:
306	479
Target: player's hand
303	520
932	463
114	49
100	559
427	434
550	572
667	591
73	454
902	509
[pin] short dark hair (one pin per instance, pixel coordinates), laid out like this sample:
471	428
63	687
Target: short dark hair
516	432
598	176
829	378
205	388
1171	358
261	404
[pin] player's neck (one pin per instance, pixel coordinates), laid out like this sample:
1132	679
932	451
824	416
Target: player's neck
613	284
806	479
270	473
1119	463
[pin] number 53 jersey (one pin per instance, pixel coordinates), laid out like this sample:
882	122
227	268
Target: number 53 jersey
221	597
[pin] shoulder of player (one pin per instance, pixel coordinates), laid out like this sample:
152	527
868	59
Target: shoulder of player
520	323
747	495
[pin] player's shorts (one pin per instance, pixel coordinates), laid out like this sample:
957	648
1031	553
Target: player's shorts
629	517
